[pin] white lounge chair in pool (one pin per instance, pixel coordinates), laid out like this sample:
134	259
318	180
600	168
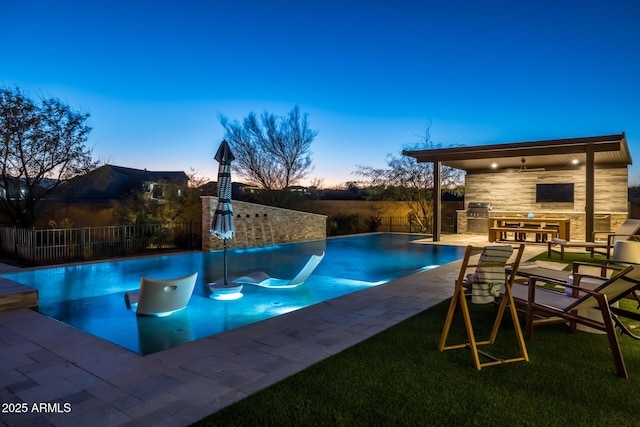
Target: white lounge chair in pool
159	297
260	278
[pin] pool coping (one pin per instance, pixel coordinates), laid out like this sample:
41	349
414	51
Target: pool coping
45	361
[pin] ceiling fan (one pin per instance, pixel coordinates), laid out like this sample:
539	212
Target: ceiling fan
523	167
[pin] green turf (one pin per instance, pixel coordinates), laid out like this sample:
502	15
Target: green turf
570	257
398	378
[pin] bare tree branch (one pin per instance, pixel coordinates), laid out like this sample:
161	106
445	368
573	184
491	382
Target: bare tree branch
272	152
412	182
44	141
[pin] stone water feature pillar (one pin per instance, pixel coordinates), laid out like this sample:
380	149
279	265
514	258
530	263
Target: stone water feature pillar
258	225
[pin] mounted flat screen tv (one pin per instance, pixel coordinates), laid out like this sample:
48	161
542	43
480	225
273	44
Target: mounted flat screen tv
561	193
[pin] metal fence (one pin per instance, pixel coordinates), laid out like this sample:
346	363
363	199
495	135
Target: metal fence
351	224
55	246
401	224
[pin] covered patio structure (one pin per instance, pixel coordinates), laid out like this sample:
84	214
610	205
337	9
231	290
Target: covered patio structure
514	177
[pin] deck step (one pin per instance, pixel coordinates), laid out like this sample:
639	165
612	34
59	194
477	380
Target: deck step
15	295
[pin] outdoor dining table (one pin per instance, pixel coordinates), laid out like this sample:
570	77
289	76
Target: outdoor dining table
498	225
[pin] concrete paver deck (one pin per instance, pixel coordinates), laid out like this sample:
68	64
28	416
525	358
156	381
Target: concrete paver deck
83	380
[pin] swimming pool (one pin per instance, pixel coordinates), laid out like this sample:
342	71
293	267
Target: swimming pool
89	297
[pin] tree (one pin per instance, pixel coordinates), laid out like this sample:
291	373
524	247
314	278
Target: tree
42	145
411	182
178	204
273	152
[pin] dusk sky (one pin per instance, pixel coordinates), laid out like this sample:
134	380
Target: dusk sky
371	75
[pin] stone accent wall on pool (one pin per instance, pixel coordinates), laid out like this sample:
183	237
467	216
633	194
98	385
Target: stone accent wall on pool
259	225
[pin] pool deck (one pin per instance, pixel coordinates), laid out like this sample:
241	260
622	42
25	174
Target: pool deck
44	361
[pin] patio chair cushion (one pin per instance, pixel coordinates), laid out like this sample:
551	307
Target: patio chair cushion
489	275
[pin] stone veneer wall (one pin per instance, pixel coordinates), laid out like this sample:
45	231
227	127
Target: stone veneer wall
514	194
253	228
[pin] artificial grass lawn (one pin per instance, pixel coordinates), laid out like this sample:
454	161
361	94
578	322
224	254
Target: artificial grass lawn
398	377
570	257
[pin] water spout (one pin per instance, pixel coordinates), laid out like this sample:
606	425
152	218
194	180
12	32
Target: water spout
266	224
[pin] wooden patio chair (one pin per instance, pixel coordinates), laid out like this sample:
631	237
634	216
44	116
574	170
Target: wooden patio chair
629	230
490	275
616	282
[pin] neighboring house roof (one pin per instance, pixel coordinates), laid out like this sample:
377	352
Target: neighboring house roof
209	189
115	182
45	183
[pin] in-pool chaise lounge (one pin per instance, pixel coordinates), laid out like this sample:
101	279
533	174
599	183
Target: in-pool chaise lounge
260	278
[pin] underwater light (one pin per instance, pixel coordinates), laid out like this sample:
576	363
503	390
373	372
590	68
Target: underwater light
256	249
226	296
225	291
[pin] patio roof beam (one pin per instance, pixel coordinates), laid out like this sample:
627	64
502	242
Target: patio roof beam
437	194
491	152
590	194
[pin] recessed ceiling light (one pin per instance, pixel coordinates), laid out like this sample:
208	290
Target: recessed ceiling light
494	165
574	161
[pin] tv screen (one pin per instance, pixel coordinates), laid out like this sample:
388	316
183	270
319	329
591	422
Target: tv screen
554	193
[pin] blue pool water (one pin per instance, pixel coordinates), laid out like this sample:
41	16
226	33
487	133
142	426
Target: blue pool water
90	297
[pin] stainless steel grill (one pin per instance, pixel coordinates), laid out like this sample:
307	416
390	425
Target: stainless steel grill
478	217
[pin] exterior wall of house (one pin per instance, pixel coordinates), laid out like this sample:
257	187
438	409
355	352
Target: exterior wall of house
513	193
259	225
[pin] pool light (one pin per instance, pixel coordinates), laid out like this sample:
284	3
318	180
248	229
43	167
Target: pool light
225	291
226	296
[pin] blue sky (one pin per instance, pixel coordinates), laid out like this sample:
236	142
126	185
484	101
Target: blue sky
371	75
